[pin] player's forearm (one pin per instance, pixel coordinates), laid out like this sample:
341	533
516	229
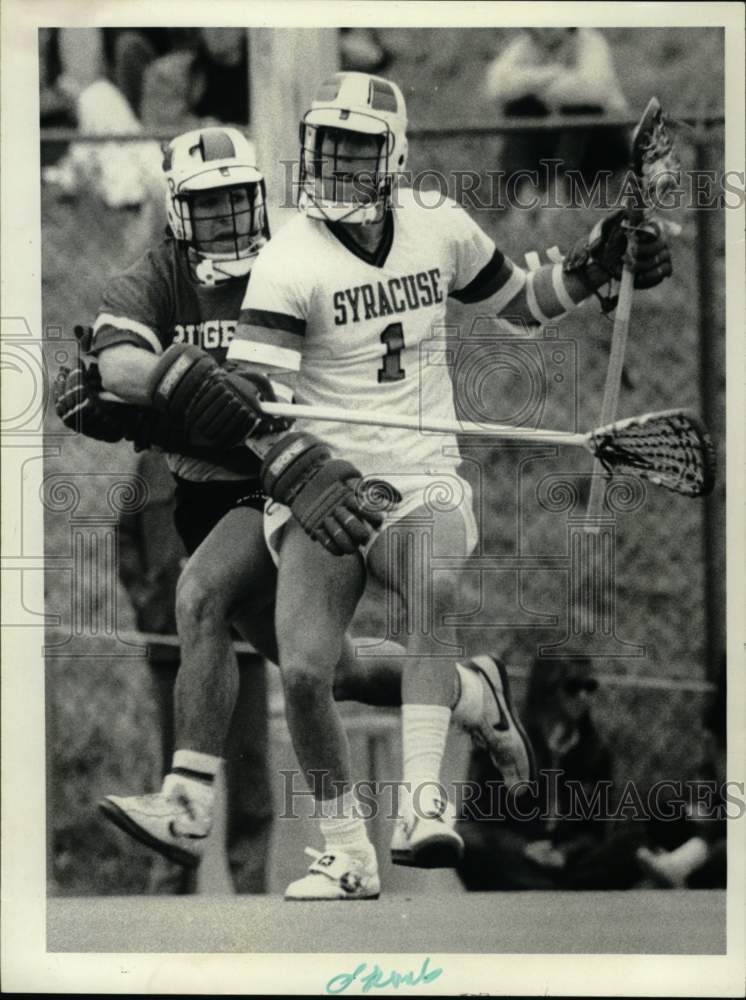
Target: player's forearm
549	293
126	370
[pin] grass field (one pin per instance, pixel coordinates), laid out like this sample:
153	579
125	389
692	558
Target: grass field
101	725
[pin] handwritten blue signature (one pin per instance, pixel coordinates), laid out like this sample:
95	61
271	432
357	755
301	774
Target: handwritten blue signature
375	978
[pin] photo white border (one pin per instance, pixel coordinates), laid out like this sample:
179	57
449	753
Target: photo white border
26	966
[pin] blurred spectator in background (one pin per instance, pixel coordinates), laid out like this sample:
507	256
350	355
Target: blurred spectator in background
129	51
362	50
150	559
57	93
680	847
510	853
203	83
128	80
121	174
550	71
699	861
222	61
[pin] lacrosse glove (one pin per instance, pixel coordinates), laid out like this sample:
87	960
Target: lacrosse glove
79	406
599	258
219	405
323	493
77	402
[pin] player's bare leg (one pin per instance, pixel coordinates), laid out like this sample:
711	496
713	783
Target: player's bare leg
400	561
317	594
215	585
477	690
229	572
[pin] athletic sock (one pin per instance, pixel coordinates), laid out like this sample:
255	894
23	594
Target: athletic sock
342	827
424	734
195	773
468	707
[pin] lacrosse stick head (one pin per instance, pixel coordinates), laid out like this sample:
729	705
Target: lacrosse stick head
654	159
672	449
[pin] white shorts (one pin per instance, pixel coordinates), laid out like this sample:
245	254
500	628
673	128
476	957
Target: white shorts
435	491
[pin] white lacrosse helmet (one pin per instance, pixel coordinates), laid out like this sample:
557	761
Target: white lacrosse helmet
223	240
361	104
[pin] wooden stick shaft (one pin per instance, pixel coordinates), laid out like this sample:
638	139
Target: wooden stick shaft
618	348
611	388
376	418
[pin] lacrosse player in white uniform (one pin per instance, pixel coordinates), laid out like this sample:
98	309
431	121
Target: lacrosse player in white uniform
342	301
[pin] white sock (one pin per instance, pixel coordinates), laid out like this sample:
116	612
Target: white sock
424	734
342	827
195	772
469	705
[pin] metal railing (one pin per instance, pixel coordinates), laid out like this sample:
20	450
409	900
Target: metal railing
498	126
148	639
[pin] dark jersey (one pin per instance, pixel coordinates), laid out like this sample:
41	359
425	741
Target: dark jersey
155	303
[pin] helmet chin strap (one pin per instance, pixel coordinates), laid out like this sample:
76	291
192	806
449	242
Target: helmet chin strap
214	272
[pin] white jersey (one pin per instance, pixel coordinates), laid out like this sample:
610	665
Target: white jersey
367	331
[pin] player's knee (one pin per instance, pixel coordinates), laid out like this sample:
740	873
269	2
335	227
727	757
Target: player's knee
198	605
304	685
308	644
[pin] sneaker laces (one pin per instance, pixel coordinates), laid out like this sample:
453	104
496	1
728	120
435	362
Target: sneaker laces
186	803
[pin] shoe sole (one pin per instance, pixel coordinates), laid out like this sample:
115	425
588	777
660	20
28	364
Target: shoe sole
119	818
515	720
437	852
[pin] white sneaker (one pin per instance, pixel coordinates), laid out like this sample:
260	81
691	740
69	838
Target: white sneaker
426	839
499	729
337	876
173	825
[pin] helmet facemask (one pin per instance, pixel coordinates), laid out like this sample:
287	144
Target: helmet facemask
345	172
224	229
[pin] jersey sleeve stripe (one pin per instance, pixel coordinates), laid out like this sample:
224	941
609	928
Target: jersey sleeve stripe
512	287
265	335
274	321
489	280
108	336
264	354
124	323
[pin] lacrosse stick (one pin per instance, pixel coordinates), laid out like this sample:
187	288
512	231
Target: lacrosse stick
671	449
655	167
